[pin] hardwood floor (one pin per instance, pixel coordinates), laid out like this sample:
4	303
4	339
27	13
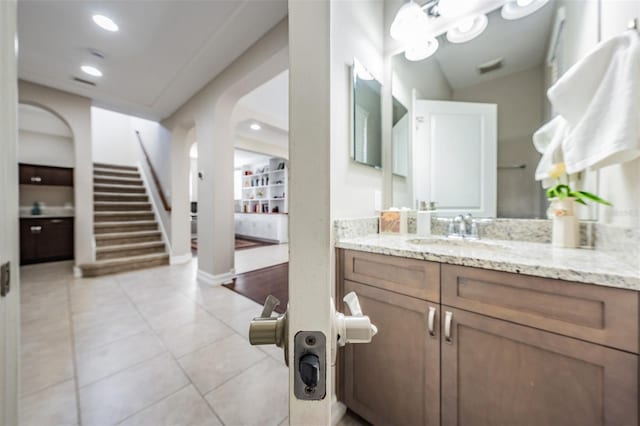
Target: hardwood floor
258	284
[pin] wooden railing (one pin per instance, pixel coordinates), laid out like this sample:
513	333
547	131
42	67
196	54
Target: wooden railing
154	175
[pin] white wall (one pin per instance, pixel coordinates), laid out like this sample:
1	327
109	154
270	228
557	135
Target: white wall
44	149
357	31
157	142
111	137
520	99
75	111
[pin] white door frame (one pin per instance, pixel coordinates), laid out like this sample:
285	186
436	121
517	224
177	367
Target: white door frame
310	279
9	306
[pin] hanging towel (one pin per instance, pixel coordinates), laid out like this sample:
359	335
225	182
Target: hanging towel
548	141
600	97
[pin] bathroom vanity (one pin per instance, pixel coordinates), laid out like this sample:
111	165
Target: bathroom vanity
481	336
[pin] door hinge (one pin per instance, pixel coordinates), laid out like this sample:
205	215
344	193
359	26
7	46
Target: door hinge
5	279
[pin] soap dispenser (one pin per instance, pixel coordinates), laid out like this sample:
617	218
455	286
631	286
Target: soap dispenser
424	218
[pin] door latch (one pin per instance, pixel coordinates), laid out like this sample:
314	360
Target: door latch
5	279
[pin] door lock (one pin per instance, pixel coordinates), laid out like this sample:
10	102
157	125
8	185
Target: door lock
269	330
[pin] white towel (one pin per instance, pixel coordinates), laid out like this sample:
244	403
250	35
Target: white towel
548	140
600	97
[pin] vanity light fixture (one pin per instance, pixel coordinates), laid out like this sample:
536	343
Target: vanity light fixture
516	9
105	23
421	50
409	23
92	71
255	126
468	29
455	8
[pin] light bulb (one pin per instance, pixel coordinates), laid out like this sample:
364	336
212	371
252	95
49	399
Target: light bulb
455	8
524	3
521	8
468	29
466	25
92	71
421	50
409	23
255	126
105	23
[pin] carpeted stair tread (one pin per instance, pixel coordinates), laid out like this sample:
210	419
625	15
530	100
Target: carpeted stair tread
114	166
122	216
114	180
120	206
118	189
115	196
124	238
113	266
117	173
129	250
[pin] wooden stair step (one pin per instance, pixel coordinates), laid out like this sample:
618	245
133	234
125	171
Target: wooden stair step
117	173
128	250
124	197
119	189
115	180
114	166
113	206
111	227
114	266
122	238
119	216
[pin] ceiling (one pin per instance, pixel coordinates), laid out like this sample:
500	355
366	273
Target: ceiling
522	44
164	52
242	158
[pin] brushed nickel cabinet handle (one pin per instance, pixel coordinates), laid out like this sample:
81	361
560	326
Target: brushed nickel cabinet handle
56	220
36	229
448	317
431	321
36	179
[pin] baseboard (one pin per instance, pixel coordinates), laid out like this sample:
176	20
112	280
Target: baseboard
77	272
210	279
338	410
183	258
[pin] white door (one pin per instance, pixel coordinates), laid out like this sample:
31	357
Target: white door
455	155
9	305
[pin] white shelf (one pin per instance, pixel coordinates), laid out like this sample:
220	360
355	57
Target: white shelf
271	193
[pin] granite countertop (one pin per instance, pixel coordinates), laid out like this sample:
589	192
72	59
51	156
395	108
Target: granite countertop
528	258
47	212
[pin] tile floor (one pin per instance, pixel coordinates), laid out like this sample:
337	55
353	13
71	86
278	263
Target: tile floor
143	348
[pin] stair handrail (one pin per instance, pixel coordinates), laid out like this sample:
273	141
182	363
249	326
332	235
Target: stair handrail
154	175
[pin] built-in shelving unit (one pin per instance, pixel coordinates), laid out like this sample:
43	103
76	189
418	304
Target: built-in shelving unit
264	187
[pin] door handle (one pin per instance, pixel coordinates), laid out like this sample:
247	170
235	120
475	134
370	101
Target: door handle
431	322
448	317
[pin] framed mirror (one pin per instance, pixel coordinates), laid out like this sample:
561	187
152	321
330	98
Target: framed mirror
475	105
366	117
400	139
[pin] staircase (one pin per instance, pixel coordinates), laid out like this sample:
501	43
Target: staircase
126	232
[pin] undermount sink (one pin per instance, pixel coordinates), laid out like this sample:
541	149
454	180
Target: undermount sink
456	243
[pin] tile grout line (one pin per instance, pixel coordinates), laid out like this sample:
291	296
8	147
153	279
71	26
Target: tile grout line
170	354
73	352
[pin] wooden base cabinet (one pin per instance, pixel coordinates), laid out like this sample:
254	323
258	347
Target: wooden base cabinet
396	378
536	352
498	373
46	240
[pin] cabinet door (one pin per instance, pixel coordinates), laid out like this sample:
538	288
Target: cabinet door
396	378
28	241
56	239
498	373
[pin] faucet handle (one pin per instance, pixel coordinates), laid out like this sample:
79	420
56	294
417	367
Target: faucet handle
475	232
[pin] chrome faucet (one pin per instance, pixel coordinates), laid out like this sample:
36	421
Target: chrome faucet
463	226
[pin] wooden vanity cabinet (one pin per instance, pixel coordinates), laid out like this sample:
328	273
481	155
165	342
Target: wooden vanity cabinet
520	350
498	373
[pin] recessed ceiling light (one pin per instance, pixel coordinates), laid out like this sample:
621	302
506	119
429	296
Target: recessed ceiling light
255	126
105	23
92	71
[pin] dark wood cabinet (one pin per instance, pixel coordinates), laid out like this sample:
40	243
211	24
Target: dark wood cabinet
45	175
506	349
396	378
498	373
45	240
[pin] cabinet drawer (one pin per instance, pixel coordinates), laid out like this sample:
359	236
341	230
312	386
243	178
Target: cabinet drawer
417	278
45	175
597	314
